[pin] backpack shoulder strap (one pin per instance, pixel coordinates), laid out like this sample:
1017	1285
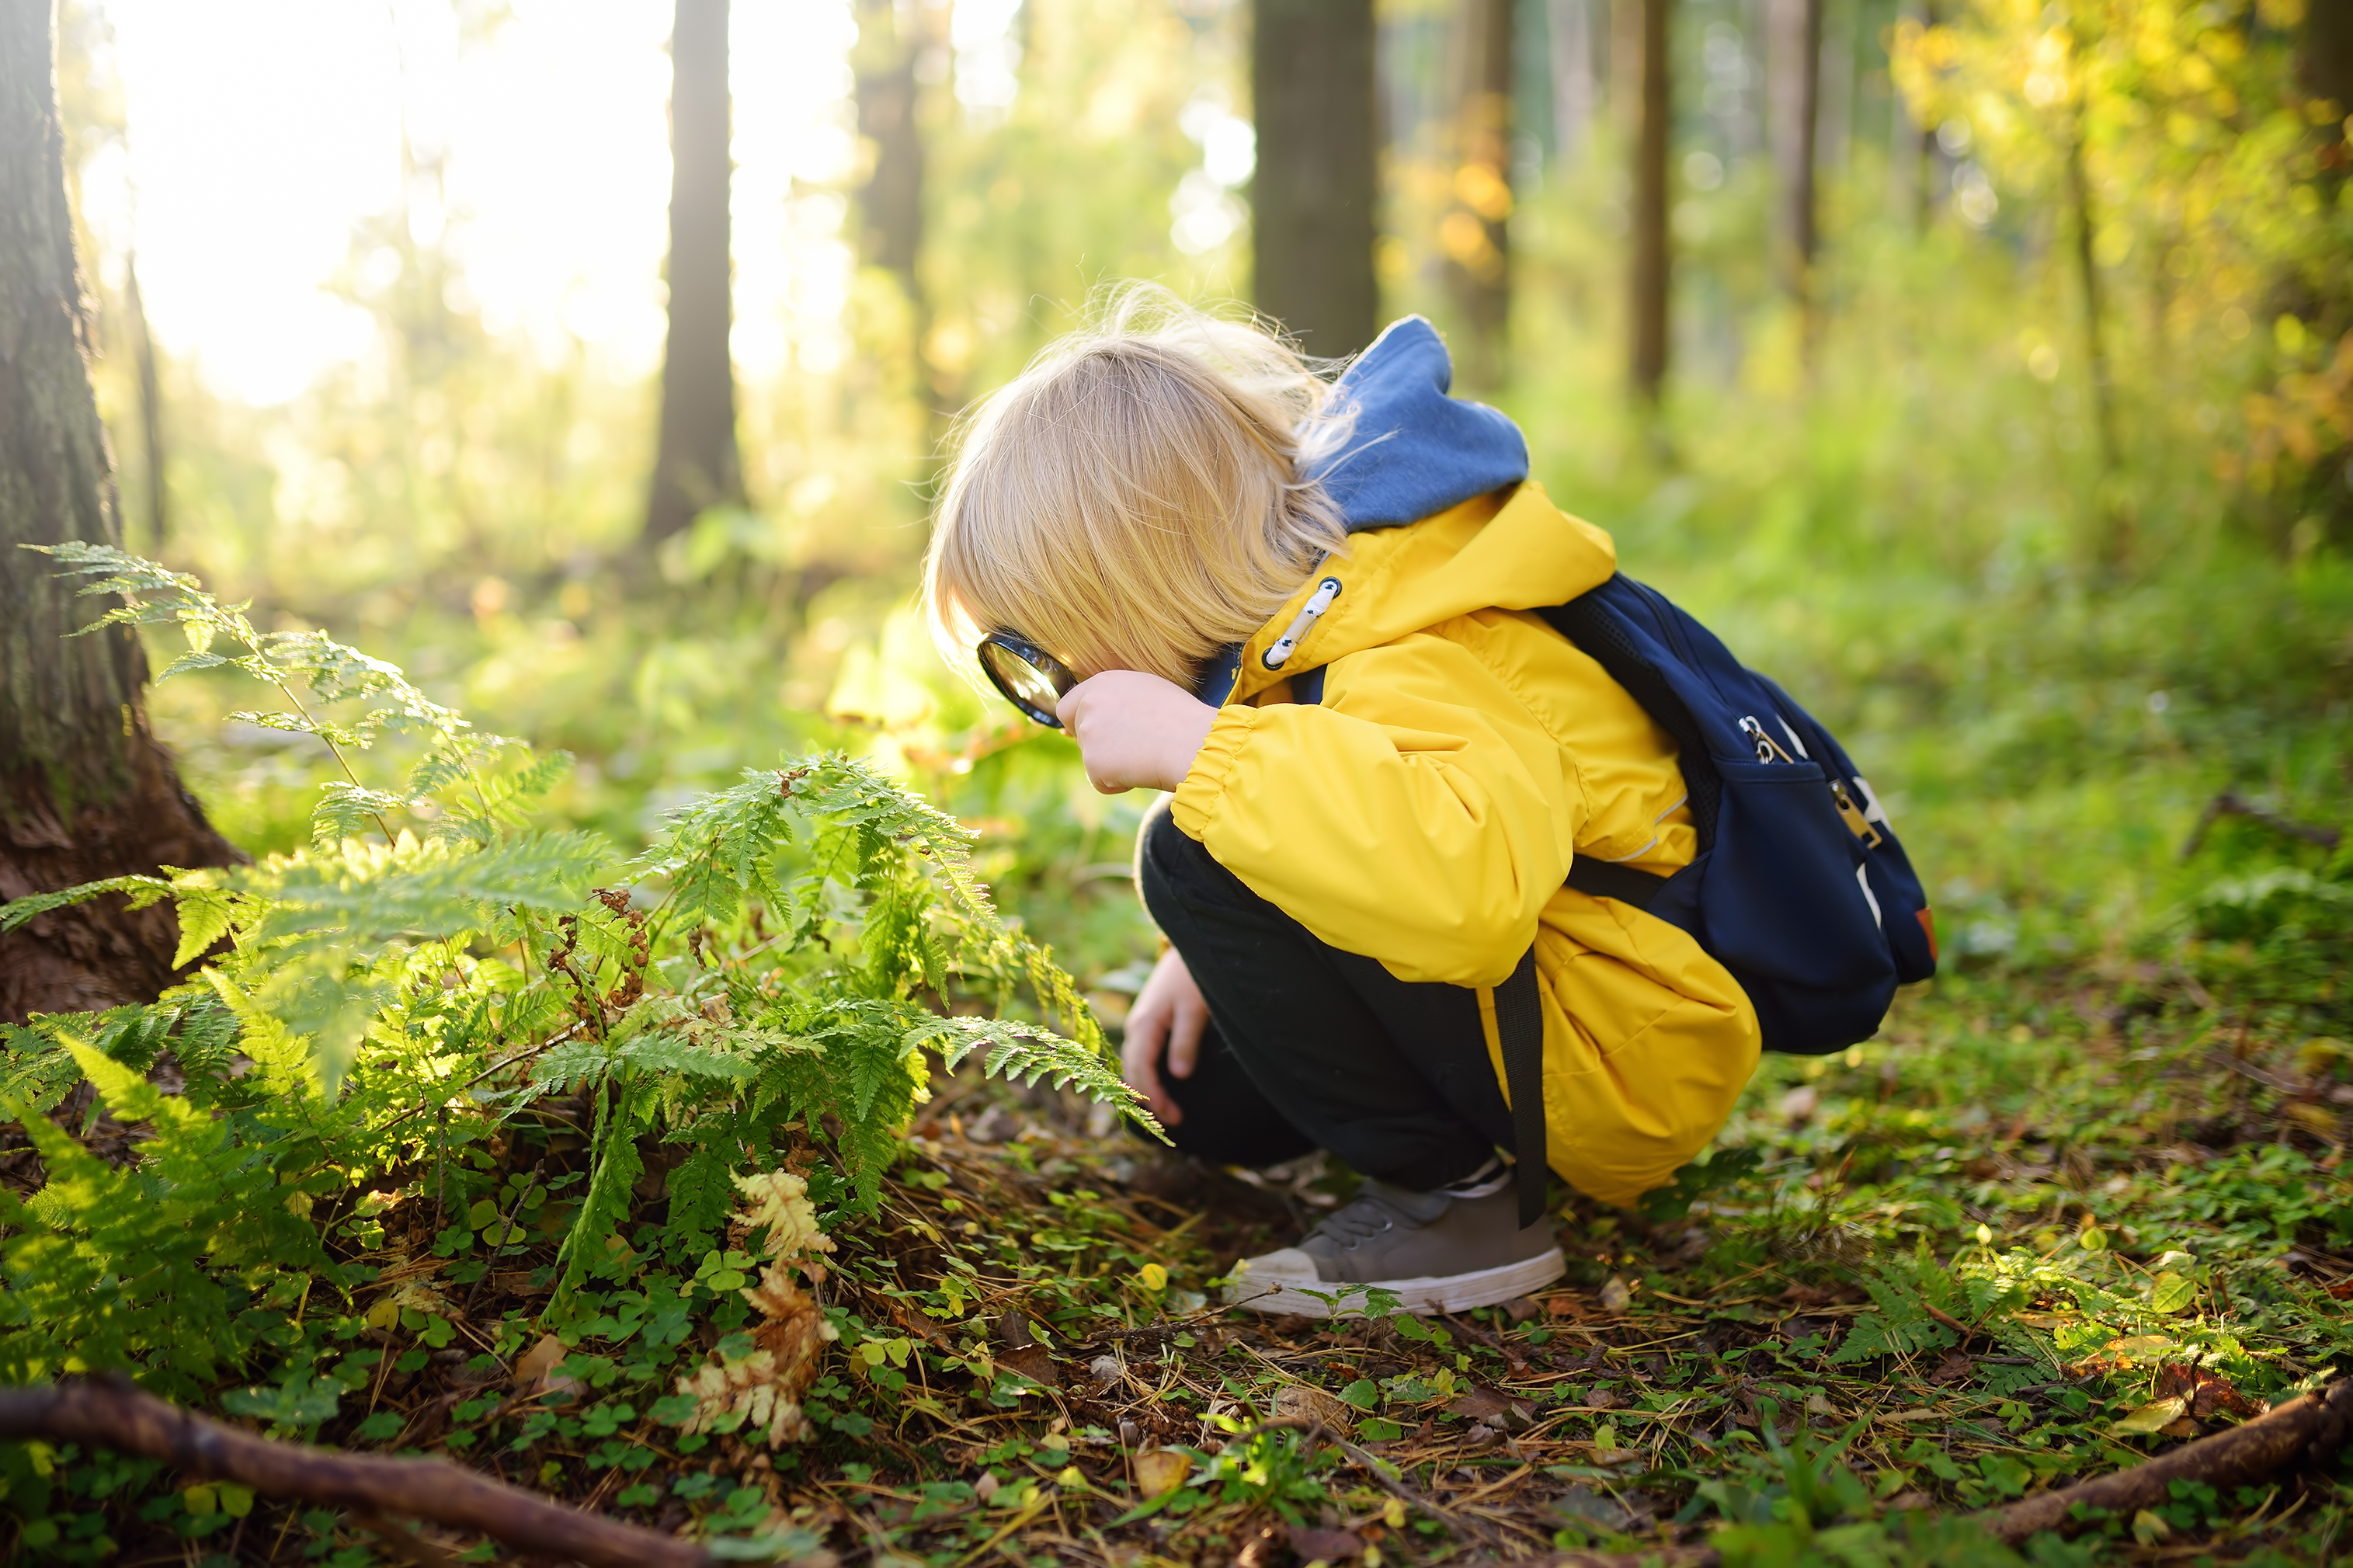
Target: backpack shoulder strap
1519	1030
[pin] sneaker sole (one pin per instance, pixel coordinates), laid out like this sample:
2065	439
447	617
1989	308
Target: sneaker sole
1435	1293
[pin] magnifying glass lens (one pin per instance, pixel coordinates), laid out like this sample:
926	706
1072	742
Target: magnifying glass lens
1020	679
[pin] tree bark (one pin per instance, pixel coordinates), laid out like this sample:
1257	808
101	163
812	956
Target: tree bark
696	464
151	408
1576	84
2324	55
1653	260
2116	545
1315	198
85	790
890	202
1475	231
894	44
1794	46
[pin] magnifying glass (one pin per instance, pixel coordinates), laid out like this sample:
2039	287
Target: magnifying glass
1026	675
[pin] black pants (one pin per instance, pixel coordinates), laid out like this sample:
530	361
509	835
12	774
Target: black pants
1311	1047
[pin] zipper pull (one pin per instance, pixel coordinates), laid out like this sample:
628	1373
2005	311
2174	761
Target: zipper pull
1851	814
1304	622
1767	748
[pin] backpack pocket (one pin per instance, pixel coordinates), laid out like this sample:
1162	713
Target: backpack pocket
1788	906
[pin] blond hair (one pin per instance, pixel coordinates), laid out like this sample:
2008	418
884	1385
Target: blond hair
1139	496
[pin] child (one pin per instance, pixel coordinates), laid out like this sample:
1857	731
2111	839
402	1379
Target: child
1303	610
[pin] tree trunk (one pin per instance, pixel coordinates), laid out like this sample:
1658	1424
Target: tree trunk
1576	86
1475	231
85	792
893	44
151	407
890	203
2324	55
1652	259
695	463
1794	80
1313	199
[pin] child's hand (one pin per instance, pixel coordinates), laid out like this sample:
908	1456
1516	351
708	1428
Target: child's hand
1135	731
1168	1013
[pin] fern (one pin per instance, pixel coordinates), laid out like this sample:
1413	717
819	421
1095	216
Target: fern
776	970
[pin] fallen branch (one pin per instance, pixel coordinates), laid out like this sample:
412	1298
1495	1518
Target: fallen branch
2231	803
109	1412
2313	1423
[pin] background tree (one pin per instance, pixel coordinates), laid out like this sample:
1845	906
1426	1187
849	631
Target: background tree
85	792
1650	261
1314	198
1794	88
696	462
1476	232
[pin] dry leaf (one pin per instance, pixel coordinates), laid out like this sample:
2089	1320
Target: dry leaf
1496	1409
1325	1545
2207	1392
1953	1368
1615	1296
534	1365
780	1204
762	1390
1161	1471
1299	1402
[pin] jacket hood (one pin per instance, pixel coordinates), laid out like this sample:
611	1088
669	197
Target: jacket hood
1410	450
1420	480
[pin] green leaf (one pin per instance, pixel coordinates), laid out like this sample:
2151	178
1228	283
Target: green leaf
2172	1293
1364	1393
298	1402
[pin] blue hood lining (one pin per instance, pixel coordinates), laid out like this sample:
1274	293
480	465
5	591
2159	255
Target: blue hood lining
1412	450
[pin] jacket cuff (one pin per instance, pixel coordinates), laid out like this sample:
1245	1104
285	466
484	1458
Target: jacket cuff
1196	797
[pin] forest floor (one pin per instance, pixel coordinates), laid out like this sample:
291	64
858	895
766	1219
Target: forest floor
2041	1228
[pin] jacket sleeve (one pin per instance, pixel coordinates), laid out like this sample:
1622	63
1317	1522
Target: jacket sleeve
1421	816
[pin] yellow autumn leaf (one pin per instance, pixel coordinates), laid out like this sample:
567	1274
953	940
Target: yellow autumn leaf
2153	1416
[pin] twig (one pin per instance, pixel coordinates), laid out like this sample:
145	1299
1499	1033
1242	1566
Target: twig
2231	803
108	1411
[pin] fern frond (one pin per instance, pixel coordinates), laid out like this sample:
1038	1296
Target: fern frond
1025	1052
344	810
143	891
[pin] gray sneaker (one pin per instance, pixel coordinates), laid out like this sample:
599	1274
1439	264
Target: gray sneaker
1446	1251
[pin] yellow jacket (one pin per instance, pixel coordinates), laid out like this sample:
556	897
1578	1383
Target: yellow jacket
1426	811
